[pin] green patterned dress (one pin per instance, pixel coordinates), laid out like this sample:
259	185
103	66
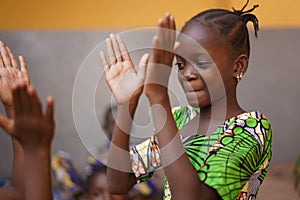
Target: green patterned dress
233	160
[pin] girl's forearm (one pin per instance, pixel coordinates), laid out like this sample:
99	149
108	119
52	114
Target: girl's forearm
120	179
17	179
174	158
37	174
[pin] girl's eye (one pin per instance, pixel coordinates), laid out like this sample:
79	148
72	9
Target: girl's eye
97	194
180	65
202	64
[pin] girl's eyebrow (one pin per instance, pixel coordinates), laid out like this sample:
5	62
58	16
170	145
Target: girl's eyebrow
193	56
203	53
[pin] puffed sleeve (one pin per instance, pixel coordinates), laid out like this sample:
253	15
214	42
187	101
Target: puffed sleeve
145	158
236	165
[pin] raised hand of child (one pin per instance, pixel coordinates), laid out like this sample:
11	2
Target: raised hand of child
32	127
125	82
158	71
9	73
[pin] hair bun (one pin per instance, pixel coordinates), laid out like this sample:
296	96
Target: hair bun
247	16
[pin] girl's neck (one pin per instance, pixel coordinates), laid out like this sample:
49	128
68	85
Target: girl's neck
221	110
211	117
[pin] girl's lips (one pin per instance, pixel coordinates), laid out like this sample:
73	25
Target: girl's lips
190	89
195	95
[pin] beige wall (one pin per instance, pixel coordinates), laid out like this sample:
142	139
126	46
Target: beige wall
270	85
55	51
91	14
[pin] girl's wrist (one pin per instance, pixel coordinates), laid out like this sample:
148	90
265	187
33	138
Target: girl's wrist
9	111
130	105
38	151
161	98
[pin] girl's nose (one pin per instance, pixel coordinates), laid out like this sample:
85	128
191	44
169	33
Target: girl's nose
190	73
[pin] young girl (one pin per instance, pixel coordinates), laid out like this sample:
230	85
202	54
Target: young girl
229	162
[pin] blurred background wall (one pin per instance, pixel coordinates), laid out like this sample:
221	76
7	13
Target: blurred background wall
57	37
95	14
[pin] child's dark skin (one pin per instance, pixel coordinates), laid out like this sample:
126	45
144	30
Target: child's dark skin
221	61
31	129
10	72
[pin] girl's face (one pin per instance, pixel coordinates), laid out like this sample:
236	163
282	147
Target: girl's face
205	66
98	188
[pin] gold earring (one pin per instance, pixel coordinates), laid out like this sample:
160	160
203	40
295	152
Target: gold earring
239	76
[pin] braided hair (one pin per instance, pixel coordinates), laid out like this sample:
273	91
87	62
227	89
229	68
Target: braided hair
231	25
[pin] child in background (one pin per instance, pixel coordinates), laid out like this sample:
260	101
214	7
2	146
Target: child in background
69	182
96	185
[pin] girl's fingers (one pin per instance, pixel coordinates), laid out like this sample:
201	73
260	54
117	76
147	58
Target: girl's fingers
170	33
166	31
156	50
5	56
12	58
123	49
35	102
50	109
104	62
17	99
110	51
160	33
142	65
25	98
172	28
1	61
165	35
116	47
24	70
172	23
167	20
155	44
5	124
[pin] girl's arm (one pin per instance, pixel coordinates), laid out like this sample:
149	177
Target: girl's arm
182	177
120	178
126	84
34	130
10	72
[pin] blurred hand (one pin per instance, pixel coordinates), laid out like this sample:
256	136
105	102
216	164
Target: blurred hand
32	127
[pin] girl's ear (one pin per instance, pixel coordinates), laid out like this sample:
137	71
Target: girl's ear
240	65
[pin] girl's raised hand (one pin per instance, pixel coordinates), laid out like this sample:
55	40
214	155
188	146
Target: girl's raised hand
32	127
9	73
125	82
158	71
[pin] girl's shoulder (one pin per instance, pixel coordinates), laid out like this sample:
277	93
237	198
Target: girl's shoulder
252	123
252	119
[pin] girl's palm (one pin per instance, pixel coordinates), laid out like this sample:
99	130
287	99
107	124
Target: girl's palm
10	73
122	78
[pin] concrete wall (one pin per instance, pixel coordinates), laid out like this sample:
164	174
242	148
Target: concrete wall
270	85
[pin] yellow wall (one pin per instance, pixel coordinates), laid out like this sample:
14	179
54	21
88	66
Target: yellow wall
95	14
